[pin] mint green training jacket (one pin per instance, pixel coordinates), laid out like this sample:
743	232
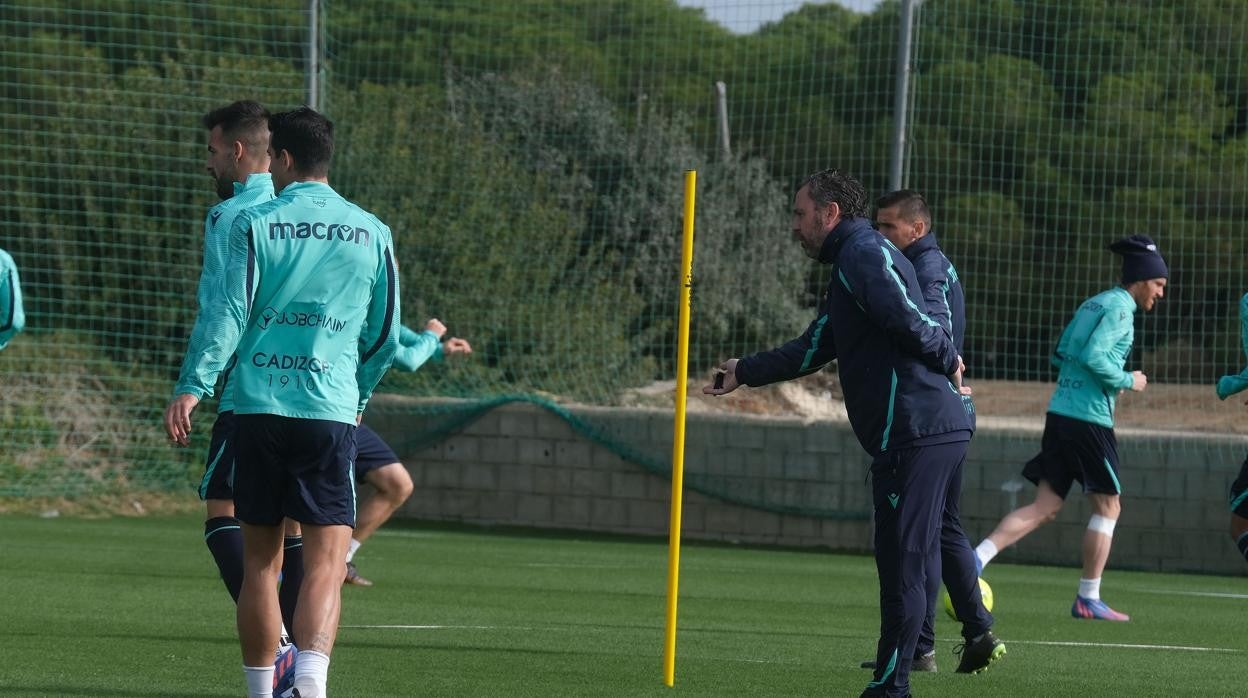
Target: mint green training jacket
415	348
309	302
1090	357
12	316
257	189
1238	382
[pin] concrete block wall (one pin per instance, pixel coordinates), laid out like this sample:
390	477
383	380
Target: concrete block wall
522	465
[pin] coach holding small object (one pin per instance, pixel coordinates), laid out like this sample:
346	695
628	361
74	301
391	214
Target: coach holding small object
900	374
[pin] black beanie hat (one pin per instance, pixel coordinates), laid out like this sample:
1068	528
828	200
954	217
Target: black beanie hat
1140	259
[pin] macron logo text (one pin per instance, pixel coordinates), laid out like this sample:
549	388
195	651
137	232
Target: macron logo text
330	232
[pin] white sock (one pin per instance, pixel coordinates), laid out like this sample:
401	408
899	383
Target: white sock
311	674
259	681
985	551
1090	588
352	547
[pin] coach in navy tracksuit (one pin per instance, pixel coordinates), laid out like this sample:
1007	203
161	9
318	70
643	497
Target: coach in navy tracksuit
900	374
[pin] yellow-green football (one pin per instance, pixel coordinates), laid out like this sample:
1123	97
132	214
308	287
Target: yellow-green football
984	590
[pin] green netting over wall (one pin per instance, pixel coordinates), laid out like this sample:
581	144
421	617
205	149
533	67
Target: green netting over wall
529	157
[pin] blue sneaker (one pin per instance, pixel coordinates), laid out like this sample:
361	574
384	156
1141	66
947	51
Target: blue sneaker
1095	609
284	672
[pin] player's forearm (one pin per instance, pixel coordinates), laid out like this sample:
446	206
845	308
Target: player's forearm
411	356
208	354
1108	372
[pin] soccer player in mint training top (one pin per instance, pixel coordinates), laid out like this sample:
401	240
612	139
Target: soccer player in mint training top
12	316
1226	387
376	463
299	387
1078	442
238	162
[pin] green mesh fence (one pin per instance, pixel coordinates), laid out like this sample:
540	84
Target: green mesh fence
528	156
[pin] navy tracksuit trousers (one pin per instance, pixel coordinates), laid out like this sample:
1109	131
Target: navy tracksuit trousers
915	491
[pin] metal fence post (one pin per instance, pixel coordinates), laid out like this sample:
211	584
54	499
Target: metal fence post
901	95
313	54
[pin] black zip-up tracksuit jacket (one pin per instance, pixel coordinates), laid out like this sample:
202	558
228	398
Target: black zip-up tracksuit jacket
894	358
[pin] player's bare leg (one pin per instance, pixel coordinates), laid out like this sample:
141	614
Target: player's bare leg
219	507
1097	540
394	486
320	602
1020	522
324	548
259	617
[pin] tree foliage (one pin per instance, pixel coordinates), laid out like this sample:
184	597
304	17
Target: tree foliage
528	155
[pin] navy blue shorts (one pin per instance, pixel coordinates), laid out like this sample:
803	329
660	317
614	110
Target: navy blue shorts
371	452
300	468
1239	492
1073	449
218	482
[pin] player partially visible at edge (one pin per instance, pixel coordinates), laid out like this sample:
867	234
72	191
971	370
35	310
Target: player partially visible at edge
12	316
310	303
376	463
238	162
1079	442
1226	387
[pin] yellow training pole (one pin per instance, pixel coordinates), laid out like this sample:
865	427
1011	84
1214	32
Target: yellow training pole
678	442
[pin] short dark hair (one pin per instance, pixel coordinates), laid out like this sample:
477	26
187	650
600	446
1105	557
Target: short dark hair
307	135
245	121
910	204
832	185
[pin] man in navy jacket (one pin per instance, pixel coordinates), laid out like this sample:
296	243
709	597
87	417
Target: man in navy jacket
900	374
904	218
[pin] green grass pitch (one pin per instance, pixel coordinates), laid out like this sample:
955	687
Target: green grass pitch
133	607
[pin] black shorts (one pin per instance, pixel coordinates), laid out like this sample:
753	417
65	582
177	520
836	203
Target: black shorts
1239	492
371	452
1073	449
218	482
300	468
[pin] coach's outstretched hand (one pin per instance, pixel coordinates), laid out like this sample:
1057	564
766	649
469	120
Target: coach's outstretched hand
728	382
178	418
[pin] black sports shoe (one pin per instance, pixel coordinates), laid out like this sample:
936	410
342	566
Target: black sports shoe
353	577
978	653
923	662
